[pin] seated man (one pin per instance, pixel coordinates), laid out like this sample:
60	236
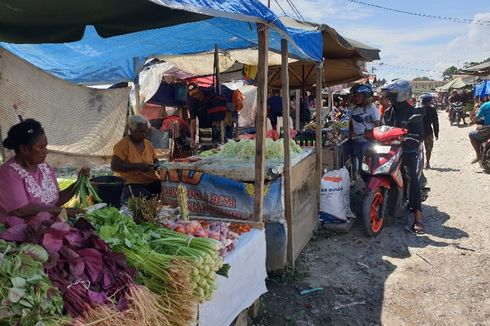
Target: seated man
482	133
133	159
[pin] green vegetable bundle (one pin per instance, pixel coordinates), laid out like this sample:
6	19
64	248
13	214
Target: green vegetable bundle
165	275
202	252
85	194
26	295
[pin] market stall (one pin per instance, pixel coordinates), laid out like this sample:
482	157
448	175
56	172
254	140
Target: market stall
222	188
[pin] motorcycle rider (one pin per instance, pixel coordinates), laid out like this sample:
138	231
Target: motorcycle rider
399	91
431	125
482	133
364	116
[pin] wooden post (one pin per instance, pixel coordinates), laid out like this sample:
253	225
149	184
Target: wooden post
260	125
137	97
297	95
288	204
218	90
319	83
2	149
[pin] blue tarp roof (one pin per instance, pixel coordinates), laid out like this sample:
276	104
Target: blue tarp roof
95	60
482	89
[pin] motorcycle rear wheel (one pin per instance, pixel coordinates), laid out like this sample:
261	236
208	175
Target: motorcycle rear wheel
372	213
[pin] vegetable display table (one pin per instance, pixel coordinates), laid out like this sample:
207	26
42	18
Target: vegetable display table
244	285
223	189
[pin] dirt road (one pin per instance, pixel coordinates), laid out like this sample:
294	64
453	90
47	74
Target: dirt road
442	278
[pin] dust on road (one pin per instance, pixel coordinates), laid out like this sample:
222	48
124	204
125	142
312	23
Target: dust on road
441	278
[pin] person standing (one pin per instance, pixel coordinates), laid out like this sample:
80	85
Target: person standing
399	92
431	126
274	108
365	116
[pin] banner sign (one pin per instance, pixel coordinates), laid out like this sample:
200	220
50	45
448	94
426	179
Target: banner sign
215	196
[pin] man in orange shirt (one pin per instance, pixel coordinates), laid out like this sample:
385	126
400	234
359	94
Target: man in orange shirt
133	159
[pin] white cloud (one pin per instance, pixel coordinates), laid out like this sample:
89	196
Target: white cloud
412	50
478	34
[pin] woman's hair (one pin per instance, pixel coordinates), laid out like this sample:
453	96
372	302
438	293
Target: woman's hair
136	120
23	133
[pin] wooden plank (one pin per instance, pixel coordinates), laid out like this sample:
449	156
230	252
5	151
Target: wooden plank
256	225
297	96
260	122
319	83
288	205
305	211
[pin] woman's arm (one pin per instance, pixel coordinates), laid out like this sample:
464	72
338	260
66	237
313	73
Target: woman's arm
119	165
33	209
66	194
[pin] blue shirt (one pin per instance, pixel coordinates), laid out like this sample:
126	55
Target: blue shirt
484	113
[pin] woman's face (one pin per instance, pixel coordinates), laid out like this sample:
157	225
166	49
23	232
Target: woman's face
140	133
37	152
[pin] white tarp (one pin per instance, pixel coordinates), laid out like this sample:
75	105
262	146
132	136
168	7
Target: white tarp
244	285
77	120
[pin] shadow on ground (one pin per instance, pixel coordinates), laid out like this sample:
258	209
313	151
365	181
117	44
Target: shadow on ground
349	271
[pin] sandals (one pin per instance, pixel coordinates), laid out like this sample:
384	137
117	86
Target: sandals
415	228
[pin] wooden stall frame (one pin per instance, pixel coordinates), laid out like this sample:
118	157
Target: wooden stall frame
260	122
288	205
319	82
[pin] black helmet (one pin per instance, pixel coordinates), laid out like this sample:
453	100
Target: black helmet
426	98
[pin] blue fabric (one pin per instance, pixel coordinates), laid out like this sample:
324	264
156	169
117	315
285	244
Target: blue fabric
94	60
484	113
482	89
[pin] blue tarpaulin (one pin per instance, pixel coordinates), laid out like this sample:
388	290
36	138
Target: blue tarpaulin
95	60
482	89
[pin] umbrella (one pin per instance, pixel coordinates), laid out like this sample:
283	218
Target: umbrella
58	21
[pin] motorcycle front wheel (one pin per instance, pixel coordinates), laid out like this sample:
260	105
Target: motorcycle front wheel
372	212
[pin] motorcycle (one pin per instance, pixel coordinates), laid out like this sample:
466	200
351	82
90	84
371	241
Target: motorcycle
386	189
456	113
485	152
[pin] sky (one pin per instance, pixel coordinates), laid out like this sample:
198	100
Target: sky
411	46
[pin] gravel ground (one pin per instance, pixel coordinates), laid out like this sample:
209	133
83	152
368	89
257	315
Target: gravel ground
441	278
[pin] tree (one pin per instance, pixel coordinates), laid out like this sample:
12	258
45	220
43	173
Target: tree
449	72
424	78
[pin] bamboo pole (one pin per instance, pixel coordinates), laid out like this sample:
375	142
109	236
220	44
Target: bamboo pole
297	96
260	122
288	204
319	83
218	91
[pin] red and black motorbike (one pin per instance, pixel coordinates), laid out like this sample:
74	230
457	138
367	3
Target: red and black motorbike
386	189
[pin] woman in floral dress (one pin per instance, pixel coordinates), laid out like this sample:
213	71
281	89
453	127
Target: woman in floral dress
29	191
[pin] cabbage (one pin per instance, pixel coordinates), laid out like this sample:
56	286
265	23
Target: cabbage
245	149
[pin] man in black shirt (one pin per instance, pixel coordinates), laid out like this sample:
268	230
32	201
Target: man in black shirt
199	102
431	125
399	91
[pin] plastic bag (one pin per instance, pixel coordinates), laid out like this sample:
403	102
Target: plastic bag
335	197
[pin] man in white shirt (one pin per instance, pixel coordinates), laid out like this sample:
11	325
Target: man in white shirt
365	116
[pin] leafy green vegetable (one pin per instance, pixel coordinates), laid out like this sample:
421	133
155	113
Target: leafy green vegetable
245	149
31	300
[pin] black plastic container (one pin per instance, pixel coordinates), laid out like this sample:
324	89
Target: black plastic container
109	189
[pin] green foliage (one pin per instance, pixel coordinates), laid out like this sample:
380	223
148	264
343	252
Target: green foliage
449	72
424	78
27	296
